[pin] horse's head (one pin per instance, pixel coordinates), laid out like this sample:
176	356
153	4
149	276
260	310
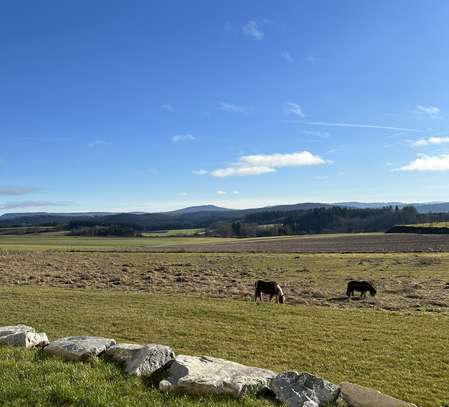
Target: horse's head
282	299
372	291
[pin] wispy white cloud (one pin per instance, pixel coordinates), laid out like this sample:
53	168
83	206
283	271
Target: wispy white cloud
312	60
240	171
167	107
295	109
287	56
32	204
11	190
258	164
200	172
98	143
428	163
182	137
432	112
435	140
228	107
220	192
321	177
182	194
253	29
361	126
319	134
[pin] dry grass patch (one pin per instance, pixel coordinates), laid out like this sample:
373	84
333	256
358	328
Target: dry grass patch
405	281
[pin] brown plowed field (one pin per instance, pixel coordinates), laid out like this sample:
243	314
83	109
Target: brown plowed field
344	243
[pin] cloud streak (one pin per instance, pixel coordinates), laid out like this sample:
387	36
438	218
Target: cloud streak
287	56
167	107
98	143
16	190
295	109
32	204
359	126
432	112
240	171
229	107
253	29
182	138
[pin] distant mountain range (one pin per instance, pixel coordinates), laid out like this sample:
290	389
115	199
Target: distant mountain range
194	216
431	207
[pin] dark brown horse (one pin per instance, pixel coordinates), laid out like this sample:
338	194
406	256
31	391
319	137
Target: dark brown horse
271	288
361	286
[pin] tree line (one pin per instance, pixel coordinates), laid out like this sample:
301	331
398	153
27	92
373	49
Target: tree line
319	220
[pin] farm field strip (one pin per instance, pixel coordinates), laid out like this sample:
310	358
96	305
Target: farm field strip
332	243
373	348
405	281
42	242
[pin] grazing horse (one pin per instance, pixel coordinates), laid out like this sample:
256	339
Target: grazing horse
269	287
362	287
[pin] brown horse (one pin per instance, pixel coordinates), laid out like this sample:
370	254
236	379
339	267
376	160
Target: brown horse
271	288
362	286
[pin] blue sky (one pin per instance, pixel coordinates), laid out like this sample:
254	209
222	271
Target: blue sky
156	105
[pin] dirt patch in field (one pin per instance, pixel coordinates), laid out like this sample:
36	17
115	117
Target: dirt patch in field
412	282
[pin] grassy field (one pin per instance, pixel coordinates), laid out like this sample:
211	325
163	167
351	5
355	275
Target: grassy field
430	225
46	242
326	243
412	282
401	354
49	381
199	302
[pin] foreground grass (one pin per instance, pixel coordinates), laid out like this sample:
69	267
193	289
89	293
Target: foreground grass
30	378
404	355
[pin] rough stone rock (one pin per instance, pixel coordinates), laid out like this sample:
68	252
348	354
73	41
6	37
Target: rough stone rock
79	347
22	335
208	375
140	360
359	396
299	389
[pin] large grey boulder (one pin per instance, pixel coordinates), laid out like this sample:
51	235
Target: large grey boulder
359	396
140	360
208	375
79	347
22	335
303	389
